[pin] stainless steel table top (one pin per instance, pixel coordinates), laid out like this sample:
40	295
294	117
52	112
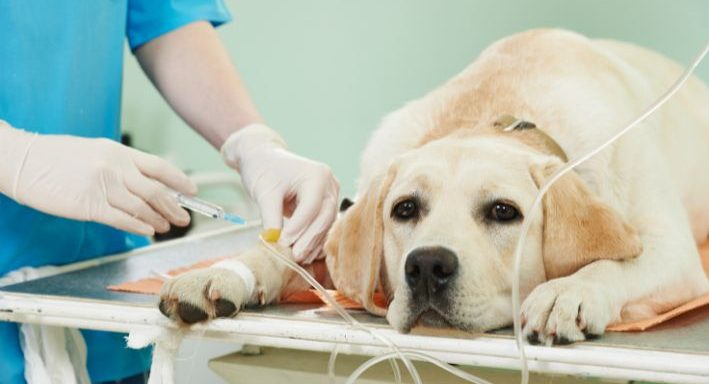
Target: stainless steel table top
688	333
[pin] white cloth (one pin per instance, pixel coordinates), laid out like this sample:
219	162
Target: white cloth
53	355
166	343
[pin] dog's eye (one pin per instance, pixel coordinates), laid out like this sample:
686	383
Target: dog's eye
405	210
503	212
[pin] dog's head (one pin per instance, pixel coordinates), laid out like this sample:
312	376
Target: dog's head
437	232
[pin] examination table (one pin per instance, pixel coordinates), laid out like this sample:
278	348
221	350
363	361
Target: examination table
674	352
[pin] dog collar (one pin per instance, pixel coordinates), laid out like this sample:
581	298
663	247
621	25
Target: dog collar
530	134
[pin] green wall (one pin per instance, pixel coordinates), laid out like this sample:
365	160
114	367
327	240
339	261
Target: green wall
324	72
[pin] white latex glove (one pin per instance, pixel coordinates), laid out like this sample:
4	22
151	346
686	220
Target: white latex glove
284	184
91	180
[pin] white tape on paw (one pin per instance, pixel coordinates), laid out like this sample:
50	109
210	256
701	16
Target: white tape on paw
247	276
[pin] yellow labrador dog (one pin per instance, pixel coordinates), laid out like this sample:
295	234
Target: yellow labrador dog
447	179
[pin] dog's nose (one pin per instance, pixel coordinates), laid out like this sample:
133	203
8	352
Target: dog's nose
429	270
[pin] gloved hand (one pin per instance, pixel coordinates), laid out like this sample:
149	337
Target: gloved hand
284	184
91	180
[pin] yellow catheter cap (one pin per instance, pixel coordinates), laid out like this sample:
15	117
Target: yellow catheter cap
271	235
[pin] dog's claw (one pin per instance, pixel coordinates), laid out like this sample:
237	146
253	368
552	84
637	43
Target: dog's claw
224	308
561	340
591	336
533	338
190	313
163	308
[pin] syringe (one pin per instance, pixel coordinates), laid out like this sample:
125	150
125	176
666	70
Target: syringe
206	208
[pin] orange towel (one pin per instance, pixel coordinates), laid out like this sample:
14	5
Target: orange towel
152	285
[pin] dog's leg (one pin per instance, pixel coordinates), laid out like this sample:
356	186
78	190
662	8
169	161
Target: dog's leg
572	308
252	278
666	274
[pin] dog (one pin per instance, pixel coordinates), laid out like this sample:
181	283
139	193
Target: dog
447	180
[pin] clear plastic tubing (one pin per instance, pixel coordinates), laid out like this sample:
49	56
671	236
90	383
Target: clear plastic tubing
333	357
341	311
527	222
417	354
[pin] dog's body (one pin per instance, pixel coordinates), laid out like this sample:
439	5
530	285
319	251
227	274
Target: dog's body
444	187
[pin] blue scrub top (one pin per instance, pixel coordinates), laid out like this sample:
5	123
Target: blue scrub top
61	66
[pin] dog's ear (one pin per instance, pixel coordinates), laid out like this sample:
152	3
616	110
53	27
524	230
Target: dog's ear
579	228
354	245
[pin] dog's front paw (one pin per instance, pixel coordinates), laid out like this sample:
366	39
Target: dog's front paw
564	311
202	295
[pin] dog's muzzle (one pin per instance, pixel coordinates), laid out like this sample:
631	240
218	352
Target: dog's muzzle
430	272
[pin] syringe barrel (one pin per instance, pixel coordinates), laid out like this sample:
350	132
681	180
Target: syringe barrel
200	206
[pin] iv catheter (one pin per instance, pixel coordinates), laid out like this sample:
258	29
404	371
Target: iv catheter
206	208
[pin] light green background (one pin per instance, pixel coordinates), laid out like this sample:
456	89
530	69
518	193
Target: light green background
324	72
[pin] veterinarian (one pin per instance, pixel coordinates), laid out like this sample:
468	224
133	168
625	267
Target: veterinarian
70	192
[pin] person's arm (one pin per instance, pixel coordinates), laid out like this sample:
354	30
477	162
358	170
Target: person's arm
91	180
192	70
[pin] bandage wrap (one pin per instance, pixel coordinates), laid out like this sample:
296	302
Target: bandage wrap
247	276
